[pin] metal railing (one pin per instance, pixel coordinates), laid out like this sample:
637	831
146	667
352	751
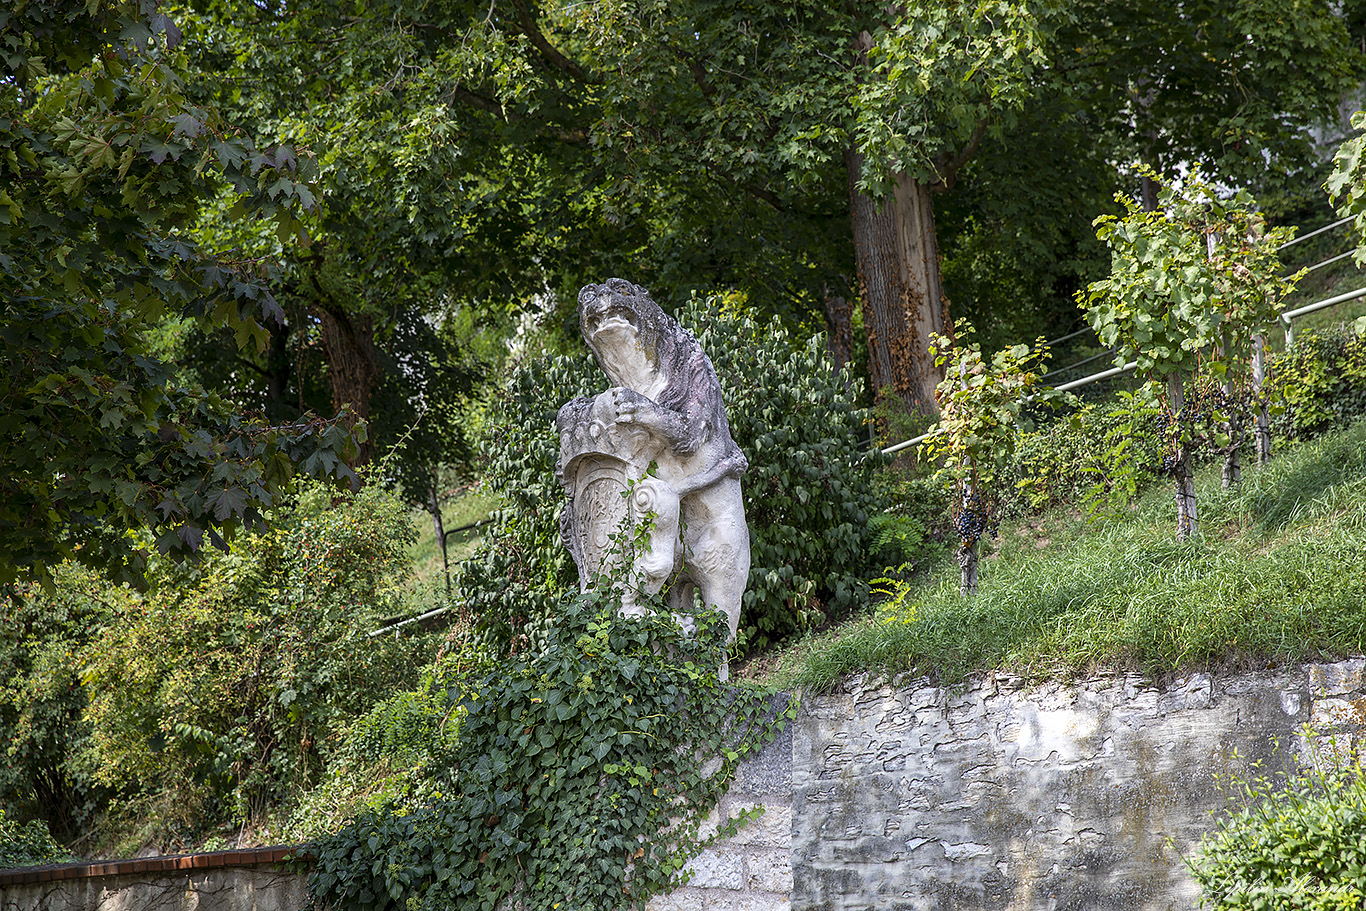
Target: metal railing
1286	319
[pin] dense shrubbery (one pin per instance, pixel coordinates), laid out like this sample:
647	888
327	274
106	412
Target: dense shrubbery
43	734
1094	449
1321	380
28	844
578	780
220	691
216	696
809	492
387	761
1297	846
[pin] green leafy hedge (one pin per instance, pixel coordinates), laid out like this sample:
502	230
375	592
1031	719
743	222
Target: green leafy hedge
1322	381
1300	846
809	492
578	780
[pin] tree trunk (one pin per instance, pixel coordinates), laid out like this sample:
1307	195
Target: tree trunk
278	368
349	346
839	336
1262	430
902	296
1183	473
434	506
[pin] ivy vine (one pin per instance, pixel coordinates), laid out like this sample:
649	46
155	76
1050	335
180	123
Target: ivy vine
579	779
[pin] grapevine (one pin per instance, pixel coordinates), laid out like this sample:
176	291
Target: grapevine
981	405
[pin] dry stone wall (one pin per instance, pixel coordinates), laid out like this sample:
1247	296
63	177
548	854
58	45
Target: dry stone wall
1008	796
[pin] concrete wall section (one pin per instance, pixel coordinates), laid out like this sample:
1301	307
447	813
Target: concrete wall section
260	888
1006	796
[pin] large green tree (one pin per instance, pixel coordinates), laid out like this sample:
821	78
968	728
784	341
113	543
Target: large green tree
105	163
508	151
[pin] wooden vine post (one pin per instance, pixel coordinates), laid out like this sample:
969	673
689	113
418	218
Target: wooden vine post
981	408
1182	465
1250	289
1262	417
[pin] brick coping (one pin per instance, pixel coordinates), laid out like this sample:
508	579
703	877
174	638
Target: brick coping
242	857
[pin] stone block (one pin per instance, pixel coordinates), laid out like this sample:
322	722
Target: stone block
769	871
717	869
768	773
1336	713
771	830
685	899
1337	679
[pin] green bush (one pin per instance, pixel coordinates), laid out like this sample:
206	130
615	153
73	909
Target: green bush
28	844
386	761
809	491
221	693
43	733
1094	448
1322	381
1297	846
578	780
914	530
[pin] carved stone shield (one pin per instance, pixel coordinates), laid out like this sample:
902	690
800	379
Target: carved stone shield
596	483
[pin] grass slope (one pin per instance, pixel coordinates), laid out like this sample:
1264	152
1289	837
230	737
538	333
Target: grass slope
1278	575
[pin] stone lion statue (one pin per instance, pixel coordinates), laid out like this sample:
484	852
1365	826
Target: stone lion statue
661	433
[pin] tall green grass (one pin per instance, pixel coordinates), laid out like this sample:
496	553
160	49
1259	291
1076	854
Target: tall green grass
1278	575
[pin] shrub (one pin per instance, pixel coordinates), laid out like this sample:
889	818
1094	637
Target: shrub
809	491
579	779
42	730
385	762
217	695
1299	846
28	844
1321	380
1098	449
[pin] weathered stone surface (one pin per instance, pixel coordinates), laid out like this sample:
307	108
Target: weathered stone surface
222	889
1006	796
773	829
661	433
769	772
717	869
751	870
769	871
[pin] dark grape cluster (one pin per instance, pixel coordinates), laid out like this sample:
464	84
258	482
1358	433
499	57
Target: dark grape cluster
1193	425
973	518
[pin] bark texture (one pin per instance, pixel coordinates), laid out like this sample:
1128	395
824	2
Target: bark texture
349	346
900	289
1183	472
839	332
